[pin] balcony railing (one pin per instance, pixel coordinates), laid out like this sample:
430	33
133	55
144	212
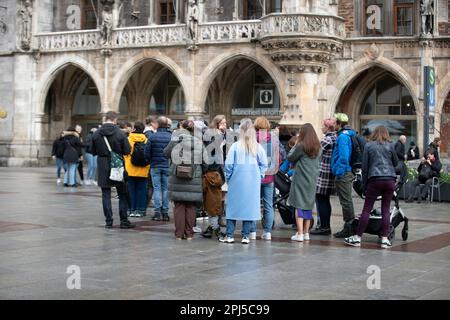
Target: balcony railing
208	33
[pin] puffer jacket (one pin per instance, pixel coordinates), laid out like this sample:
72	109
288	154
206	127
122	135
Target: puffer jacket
154	149
379	160
187	149
72	147
340	159
132	170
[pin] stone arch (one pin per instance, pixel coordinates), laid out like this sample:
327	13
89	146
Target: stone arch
51	73
215	66
444	91
124	74
363	64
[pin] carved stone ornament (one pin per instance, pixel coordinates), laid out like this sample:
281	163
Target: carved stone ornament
25	22
305	55
372	52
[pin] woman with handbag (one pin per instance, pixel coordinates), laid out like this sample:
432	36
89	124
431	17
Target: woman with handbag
187	155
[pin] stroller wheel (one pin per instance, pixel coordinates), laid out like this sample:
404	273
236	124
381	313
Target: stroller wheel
405	230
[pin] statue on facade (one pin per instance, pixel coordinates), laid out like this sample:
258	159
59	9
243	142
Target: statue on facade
193	19
107	25
3	26
427	14
25	15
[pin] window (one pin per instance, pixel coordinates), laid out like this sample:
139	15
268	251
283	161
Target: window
167	96
403	17
257	90
274	6
389	103
89	17
87	100
374	17
167	12
252	9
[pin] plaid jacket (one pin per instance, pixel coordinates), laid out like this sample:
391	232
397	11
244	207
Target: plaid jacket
325	181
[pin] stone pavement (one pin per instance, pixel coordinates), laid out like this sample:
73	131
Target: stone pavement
45	228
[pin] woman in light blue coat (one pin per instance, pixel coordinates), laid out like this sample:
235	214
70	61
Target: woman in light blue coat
245	166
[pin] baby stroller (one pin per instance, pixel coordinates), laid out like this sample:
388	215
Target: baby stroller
282	187
397	214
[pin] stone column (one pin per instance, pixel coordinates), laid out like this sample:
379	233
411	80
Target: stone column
106	103
426	59
151	16
236	10
177	11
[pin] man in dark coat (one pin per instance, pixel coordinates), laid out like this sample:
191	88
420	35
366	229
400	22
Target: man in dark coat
119	144
400	150
159	168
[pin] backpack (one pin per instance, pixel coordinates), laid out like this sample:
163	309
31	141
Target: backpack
138	155
425	173
357	152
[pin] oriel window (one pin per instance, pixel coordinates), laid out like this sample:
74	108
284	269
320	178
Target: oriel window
167	12
404	17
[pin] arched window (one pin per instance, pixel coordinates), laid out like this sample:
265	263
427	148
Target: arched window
87	100
390	104
167	96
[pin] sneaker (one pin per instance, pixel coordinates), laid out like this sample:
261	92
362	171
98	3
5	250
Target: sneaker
386	244
58	181
354	241
127	225
178	238
197	229
108	226
245	240
321	232
252	236
342	234
298	237
88	182
189	238
132	214
156	218
166	218
226	239
266	236
307	238
137	215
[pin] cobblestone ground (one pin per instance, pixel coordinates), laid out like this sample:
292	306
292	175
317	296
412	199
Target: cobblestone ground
45	228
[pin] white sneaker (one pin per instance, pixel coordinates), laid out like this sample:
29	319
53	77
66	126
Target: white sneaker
226	239
245	240
58	181
252	236
266	236
88	182
94	182
298	237
386	244
307	238
197	229
132	214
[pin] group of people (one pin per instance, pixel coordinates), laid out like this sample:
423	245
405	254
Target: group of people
67	150
210	168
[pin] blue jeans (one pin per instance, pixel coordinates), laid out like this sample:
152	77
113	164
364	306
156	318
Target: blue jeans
71	171
231	226
160	179
59	166
137	189
267	191
92	166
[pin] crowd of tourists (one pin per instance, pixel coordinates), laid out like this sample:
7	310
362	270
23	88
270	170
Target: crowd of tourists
229	174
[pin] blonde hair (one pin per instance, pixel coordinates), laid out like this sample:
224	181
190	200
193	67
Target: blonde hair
261	123
247	136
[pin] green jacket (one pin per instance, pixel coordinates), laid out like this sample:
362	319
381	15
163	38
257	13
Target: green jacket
303	187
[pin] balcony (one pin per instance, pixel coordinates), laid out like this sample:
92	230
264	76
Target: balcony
270	26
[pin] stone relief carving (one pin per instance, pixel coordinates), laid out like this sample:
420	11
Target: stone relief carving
372	52
25	17
107	25
3	15
193	24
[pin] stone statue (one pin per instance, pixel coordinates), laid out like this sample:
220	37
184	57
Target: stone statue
427	14
107	25
193	19
25	14
3	26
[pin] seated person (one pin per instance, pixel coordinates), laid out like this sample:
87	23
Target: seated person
428	168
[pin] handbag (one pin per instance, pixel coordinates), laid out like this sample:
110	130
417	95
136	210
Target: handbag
184	171
117	166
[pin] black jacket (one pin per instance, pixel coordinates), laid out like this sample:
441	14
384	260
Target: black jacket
400	150
416	153
433	147
88	143
154	149
58	148
436	167
72	147
119	144
379	160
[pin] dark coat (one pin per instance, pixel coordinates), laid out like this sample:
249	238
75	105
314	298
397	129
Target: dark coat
58	148
88	143
154	149
400	150
416	153
434	148
119	144
186	190
379	160
72	147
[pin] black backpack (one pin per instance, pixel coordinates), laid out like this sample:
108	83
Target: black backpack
357	152
425	173
138	155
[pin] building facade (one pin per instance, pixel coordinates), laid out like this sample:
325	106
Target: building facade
295	61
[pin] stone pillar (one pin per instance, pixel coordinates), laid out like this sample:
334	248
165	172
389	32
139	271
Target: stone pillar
106	103
426	59
236	10
177	11
151	16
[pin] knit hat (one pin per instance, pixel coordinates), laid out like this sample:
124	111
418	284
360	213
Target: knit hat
341	117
